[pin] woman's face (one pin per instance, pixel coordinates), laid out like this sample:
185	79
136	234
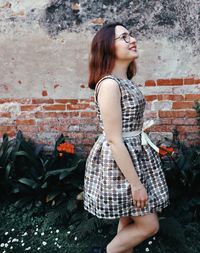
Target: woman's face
125	45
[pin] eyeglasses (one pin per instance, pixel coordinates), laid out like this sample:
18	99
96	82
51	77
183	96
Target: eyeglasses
125	36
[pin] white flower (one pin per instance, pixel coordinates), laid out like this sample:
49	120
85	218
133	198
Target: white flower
150	242
6	245
6	233
36	229
147	249
28	248
24	234
9	241
35	233
22	240
55	243
11	247
42	233
75	238
36	225
51	232
59	246
4	251
50	228
57	231
68	232
44	243
56	239
154	238
23	244
12	229
2	245
38	248
15	240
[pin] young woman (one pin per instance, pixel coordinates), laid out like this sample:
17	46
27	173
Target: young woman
123	177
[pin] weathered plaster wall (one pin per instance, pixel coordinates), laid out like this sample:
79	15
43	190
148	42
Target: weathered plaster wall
44	44
44	48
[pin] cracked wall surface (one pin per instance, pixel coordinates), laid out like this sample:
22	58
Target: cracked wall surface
45	44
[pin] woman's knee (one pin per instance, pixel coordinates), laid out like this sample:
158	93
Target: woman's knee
153	229
149	229
149	226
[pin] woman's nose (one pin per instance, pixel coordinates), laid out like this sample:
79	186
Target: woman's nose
132	39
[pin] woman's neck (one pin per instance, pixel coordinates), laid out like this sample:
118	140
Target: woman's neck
120	69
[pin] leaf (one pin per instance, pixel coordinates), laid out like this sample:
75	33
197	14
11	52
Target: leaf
28	182
30	158
52	195
65	172
7	170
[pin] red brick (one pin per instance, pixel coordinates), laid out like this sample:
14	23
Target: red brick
18	100
10	130
66	101
25	128
162	128
171	114
150	114
191	114
54	107
187	129
192	97
28	107
76	135
56	114
88	114
150	83
189	80
182	105
170	97
44	93
84	100
196	81
163	82
184	121
5	114
150	97
25	122
173	81
78	106
177	81
42	101
165	121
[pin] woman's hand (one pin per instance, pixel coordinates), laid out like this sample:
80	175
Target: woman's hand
140	197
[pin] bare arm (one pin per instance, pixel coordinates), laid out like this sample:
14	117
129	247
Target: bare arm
109	102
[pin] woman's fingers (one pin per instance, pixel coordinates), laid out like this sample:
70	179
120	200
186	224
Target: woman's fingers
140	204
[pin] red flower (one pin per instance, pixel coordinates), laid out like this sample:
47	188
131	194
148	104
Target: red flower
165	151
65	148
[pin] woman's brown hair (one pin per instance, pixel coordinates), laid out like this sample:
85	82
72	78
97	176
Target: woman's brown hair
102	55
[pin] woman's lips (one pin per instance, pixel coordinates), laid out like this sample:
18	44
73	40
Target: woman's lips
133	48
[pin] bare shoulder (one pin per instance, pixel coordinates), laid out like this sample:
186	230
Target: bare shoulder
109	85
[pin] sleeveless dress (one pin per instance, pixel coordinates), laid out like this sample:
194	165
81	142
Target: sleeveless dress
107	193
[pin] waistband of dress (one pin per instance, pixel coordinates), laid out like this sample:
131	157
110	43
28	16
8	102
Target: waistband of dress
129	134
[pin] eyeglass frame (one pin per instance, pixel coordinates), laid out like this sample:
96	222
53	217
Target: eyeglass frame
121	37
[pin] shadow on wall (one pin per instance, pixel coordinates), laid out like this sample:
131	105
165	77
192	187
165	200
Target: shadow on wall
176	20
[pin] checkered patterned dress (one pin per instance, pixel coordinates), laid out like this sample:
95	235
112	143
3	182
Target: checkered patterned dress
107	193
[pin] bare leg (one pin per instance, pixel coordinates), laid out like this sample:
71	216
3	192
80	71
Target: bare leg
133	234
123	222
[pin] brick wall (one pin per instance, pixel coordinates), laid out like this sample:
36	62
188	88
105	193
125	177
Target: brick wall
169	102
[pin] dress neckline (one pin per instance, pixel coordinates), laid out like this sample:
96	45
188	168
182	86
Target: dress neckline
120	78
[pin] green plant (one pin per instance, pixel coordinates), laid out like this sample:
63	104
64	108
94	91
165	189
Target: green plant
35	178
5	166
